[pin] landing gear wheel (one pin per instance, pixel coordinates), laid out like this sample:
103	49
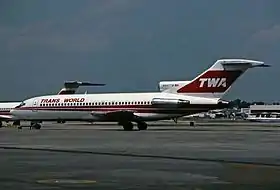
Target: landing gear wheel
127	126
192	123
36	126
16	123
61	121
142	126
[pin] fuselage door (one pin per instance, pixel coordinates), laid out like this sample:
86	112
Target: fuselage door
35	105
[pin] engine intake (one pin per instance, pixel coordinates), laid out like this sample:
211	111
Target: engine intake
223	104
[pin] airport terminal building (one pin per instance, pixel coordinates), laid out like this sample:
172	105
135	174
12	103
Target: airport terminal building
258	109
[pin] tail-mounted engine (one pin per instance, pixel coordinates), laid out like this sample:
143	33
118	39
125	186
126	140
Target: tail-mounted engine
158	102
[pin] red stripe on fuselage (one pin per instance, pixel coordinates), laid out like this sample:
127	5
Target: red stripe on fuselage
5	113
135	108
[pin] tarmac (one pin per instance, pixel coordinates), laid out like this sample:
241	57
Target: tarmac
224	155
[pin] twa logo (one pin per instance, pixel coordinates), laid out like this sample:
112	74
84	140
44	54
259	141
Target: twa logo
212	82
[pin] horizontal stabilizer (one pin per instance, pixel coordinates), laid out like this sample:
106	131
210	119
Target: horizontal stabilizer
75	84
239	62
70	87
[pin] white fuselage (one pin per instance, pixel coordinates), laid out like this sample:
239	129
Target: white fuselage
93	107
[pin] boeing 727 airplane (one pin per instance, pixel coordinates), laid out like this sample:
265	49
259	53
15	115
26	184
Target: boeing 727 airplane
202	94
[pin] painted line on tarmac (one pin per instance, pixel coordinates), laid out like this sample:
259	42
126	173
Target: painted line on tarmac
222	161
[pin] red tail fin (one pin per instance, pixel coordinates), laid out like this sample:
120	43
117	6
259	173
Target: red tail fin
218	79
211	82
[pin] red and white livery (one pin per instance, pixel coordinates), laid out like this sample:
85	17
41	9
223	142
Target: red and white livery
202	94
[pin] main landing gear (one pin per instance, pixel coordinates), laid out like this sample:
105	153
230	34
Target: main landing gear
128	125
61	121
16	123
34	125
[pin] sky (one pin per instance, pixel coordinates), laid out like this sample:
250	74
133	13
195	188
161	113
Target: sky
131	45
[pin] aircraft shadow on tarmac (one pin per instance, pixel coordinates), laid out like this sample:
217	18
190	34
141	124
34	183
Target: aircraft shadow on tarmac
157	127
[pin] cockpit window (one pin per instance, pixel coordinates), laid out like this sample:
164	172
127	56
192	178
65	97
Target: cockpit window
20	105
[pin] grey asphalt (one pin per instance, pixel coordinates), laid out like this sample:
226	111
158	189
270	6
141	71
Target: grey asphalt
166	156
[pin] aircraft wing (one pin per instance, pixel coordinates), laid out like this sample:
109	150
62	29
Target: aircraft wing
5	117
116	114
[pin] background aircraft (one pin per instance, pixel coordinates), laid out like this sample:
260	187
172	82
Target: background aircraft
70	87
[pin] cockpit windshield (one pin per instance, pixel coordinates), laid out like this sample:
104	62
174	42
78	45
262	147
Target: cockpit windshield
20	105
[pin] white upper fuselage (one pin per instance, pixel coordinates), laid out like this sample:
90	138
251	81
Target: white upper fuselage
92	106
164	85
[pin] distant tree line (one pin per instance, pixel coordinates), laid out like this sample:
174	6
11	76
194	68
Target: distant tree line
237	103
